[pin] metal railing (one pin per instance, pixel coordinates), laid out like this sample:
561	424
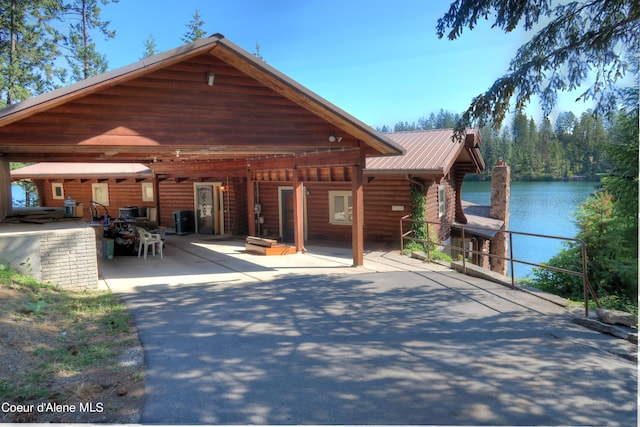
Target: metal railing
406	235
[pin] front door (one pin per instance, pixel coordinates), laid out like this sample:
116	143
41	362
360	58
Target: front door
286	215
285	197
207	208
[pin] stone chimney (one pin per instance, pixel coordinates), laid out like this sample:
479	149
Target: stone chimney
500	194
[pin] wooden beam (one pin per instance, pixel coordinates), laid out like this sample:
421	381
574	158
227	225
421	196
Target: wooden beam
251	201
5	186
357	208
298	212
156	197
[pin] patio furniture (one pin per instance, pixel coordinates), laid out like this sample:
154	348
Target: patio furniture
149	239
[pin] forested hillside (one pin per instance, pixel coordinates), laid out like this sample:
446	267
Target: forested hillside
569	148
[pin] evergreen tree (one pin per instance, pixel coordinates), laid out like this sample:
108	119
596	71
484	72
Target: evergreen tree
30	191
257	53
590	137
520	162
28	48
83	58
490	148
549	150
622	180
195	28
404	126
565	128
150	47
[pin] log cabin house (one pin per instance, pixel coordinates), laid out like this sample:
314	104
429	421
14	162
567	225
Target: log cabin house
222	134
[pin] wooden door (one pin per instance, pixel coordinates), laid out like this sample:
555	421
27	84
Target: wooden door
286	215
205	215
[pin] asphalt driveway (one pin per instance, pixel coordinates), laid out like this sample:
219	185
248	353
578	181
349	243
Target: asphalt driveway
393	347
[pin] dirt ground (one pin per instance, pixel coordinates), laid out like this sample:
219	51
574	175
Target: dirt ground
35	389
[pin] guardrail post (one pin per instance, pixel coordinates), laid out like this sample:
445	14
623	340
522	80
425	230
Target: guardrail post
513	273
428	243
585	279
402	236
464	253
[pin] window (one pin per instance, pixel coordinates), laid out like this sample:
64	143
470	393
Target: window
442	201
147	192
340	211
100	193
57	190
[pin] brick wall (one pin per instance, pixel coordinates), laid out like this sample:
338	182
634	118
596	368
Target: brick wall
64	257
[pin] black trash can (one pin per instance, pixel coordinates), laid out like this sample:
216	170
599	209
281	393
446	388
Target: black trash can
184	221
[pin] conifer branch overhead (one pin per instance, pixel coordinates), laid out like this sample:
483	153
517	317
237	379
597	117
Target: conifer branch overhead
583	40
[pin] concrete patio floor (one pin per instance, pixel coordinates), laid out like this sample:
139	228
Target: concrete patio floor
235	338
195	258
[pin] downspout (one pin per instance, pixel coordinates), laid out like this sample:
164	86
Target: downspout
416	182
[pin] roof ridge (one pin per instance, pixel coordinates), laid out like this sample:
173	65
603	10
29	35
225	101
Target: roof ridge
419	131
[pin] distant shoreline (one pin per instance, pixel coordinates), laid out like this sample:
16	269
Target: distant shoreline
482	178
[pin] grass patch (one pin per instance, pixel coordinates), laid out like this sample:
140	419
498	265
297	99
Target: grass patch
436	255
63	346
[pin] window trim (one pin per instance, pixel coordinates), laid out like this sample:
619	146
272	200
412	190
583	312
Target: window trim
96	191
54	187
147	191
332	213
442	201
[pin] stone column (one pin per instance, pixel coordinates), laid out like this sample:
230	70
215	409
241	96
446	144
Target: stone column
500	194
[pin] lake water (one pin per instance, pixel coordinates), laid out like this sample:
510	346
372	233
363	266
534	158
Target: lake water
540	208
536	207
17	195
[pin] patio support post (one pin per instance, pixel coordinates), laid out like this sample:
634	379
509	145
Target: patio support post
5	190
298	214
156	197
251	201
357	207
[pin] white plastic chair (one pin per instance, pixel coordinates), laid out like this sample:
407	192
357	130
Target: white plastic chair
149	239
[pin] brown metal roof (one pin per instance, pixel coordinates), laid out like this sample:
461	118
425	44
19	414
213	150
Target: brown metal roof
426	151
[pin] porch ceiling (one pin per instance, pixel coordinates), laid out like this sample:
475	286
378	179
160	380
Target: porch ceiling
161	110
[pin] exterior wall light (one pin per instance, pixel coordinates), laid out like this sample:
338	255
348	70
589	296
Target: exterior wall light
211	76
333	138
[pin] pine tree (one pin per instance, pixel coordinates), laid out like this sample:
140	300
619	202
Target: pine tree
28	48
83	58
150	47
195	28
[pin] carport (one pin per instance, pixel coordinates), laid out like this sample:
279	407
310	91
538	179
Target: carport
203	111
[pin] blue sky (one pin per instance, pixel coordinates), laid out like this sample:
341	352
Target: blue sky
381	61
